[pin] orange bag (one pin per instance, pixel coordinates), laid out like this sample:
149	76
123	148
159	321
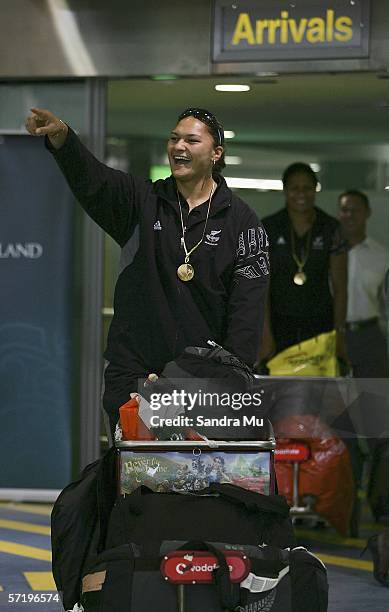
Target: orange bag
326	474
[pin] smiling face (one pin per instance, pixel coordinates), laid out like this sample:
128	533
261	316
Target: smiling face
191	150
353	215
300	192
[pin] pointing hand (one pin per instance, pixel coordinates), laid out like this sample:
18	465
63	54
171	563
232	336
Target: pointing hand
42	122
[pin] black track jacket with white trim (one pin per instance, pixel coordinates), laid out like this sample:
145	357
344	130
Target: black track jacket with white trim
156	315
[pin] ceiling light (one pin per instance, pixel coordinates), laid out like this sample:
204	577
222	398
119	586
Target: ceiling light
164	77
232	87
261	184
233	160
267	74
229	134
249	183
387	187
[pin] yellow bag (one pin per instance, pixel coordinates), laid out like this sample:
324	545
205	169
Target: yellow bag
313	357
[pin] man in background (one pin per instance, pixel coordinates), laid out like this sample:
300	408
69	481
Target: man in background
368	262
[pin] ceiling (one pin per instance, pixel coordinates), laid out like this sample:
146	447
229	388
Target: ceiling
317	117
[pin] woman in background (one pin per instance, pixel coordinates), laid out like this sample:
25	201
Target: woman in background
308	261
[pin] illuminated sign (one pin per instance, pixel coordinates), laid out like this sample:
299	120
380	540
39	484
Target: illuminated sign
249	30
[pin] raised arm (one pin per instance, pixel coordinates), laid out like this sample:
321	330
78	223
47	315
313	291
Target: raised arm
111	197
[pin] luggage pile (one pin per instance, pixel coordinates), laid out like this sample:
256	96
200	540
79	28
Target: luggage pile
182	525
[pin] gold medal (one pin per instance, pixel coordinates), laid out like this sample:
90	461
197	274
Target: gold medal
300	278
185	272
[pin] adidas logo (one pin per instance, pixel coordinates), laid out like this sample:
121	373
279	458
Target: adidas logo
157	225
281	240
318	243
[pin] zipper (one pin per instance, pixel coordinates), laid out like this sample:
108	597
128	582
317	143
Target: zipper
177	324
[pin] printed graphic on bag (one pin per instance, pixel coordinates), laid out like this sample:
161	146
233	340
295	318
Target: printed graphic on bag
179	471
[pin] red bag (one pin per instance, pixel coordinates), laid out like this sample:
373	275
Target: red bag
326	473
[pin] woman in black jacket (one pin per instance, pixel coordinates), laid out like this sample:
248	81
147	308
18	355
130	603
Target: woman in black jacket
194	264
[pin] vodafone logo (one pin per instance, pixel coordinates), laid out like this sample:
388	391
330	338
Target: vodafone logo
188	567
183	568
293	452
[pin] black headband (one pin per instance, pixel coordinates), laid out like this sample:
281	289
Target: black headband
208	118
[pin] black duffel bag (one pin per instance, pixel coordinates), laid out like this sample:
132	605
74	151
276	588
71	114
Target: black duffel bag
145	525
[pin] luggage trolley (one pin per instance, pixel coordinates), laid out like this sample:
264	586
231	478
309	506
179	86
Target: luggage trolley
188	466
296	455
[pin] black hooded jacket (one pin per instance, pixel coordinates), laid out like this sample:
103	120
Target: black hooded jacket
156	314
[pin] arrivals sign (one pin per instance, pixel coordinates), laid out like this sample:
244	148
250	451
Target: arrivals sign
267	30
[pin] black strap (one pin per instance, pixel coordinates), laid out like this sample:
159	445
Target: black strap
252	501
106	492
117	587
229	594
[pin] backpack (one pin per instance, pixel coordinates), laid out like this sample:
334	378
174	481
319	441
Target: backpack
210	371
79	521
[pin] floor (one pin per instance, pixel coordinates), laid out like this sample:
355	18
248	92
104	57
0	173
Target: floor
25	563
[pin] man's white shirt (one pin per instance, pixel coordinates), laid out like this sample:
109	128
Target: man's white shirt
368	262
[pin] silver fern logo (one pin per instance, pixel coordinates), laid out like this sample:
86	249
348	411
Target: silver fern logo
213	237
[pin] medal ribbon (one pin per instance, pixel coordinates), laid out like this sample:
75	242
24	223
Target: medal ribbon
300	262
189	253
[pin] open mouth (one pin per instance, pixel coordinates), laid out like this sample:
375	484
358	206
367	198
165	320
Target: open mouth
181	160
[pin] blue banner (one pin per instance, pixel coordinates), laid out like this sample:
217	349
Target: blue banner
36	253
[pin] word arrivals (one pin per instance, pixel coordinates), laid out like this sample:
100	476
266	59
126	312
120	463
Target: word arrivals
285	30
30	250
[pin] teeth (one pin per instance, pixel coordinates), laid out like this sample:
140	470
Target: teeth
180	158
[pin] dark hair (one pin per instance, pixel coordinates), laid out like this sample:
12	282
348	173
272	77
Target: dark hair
356	193
297	168
215	128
